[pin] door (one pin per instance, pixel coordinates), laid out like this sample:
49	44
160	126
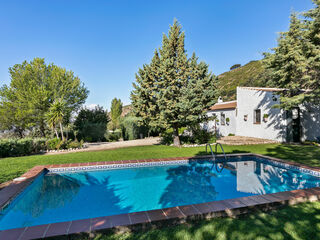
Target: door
296	128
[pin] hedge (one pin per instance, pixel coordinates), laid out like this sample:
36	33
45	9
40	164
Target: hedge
27	146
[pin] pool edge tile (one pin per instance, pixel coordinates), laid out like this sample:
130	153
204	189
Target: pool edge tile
100	223
12	234
78	226
58	229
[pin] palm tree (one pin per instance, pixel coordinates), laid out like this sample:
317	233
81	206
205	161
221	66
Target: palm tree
55	115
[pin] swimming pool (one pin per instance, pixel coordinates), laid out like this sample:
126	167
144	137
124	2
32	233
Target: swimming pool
73	193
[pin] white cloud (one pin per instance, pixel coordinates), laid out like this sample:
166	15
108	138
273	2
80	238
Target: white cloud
91	106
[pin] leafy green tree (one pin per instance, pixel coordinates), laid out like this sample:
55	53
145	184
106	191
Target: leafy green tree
91	124
33	88
115	112
294	64
173	91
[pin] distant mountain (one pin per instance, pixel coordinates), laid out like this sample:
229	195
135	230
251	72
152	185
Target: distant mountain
248	75
126	110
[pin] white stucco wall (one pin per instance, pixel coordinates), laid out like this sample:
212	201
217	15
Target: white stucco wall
223	130
310	122
249	100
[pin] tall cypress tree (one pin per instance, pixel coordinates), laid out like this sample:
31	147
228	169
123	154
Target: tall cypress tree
288	63
173	91
295	63
312	32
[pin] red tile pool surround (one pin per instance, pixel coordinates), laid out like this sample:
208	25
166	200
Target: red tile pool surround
229	207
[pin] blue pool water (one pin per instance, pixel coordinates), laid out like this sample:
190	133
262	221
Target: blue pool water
79	195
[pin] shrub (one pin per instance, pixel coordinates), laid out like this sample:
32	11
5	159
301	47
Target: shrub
75	144
167	137
39	144
131	128
21	147
52	144
92	132
91	125
113	136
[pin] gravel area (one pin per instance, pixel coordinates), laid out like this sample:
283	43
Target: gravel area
113	145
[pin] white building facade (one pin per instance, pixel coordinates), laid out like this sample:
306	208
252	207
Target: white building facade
255	114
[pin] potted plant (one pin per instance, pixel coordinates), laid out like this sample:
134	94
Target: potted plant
265	117
227	120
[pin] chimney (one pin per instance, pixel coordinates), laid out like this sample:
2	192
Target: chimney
220	99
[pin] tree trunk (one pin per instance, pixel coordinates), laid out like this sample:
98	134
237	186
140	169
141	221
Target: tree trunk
176	139
61	130
56	132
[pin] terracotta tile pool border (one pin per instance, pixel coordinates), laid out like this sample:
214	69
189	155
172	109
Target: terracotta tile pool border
229	207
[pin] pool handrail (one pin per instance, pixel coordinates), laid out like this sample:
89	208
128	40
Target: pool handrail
214	154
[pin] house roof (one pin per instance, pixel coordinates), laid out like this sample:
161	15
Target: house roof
224	105
264	89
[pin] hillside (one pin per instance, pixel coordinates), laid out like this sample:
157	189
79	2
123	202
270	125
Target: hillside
248	75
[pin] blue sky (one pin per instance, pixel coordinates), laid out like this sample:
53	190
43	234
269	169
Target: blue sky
105	42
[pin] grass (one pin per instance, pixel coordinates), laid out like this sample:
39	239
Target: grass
13	167
301	221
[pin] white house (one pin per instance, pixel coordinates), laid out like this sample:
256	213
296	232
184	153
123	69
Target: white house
225	118
254	114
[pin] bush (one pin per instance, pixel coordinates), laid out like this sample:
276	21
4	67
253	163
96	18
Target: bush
92	132
75	144
113	136
27	146
39	144
198	136
167	137
91	125
52	144
131	128
21	147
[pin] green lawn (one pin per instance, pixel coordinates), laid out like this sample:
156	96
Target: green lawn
301	221
13	167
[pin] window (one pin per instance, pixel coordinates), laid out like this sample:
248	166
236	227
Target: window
257	116
223	119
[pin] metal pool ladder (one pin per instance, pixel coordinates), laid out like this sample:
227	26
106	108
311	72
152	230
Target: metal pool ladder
214	154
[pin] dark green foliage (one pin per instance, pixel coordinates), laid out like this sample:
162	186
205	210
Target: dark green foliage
33	88
173	91
197	136
131	128
294	64
115	113
21	147
74	144
249	75
91	125
114	136
53	143
57	144
235	66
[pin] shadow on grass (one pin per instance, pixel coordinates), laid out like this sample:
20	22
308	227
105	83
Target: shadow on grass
294	222
305	154
201	153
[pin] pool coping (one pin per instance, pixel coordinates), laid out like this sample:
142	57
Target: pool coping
228	207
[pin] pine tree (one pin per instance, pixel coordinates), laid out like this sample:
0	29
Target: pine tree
312	32
173	91
295	63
